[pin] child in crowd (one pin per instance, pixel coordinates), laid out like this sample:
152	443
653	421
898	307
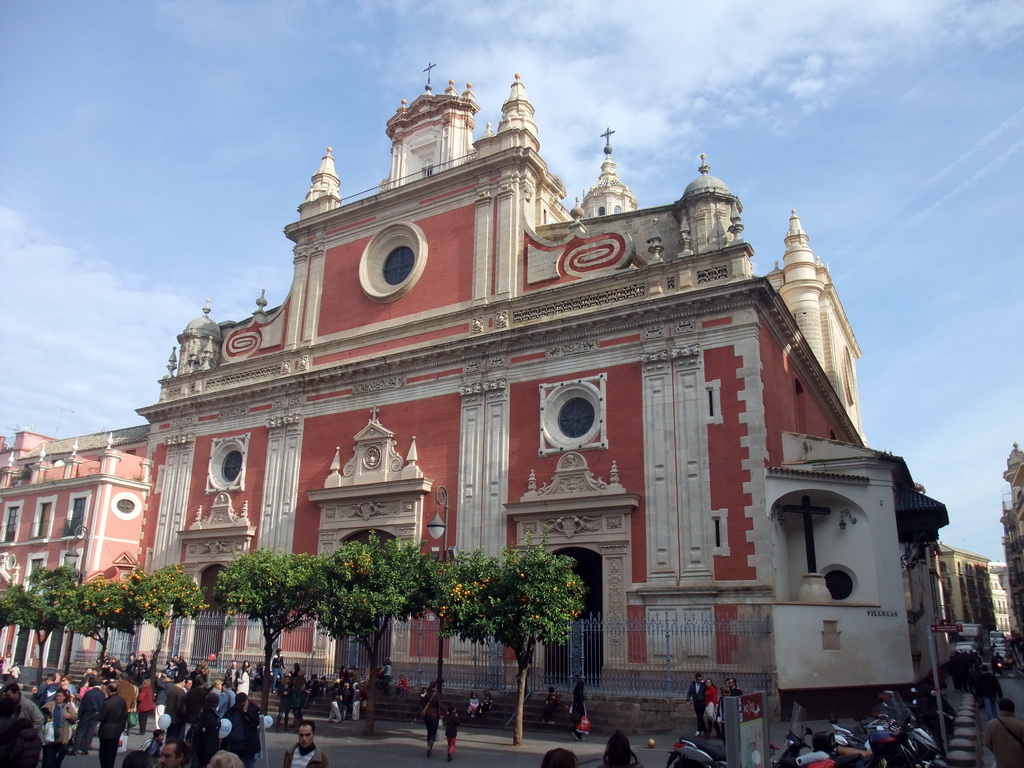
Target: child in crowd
451	730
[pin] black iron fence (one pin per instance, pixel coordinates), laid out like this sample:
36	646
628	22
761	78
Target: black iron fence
642	656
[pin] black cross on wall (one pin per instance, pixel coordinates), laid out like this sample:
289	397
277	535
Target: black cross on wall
806	510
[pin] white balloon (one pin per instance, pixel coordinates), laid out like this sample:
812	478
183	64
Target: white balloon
268	721
225	728
163	721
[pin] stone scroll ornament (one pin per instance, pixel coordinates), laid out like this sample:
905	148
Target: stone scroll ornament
576	257
243	342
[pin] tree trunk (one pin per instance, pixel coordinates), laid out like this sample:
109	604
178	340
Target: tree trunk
40	642
268	654
372	646
524	657
521	678
156	656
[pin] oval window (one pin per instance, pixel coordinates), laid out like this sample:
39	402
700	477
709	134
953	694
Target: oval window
231	466
398	265
576	417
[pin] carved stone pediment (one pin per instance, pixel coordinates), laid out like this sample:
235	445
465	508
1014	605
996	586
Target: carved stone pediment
220	535
374	459
575	505
375	489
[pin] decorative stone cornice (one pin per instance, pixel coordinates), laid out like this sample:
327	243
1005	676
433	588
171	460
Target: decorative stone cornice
677	353
283	420
187	437
479	387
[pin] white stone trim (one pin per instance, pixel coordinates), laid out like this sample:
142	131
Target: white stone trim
371	263
122	496
553	396
220	448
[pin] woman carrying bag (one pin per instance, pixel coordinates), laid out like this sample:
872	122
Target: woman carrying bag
711	707
60	713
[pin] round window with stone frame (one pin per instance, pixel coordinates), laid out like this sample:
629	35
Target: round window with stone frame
125	506
392	262
227	465
573	416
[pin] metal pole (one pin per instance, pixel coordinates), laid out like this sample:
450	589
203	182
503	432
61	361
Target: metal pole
938	689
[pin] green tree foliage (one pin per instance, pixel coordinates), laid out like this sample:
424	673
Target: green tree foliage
162	597
46	604
527	597
104	606
278	589
366	586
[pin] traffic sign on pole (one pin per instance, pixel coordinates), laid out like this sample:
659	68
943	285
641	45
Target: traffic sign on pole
947	628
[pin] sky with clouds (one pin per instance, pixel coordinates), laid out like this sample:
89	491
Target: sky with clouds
152	151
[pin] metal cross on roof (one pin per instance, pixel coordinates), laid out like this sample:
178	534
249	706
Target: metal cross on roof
607	136
427	70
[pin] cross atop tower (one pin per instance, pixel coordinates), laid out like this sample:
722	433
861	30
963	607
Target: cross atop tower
427	70
607	136
373	413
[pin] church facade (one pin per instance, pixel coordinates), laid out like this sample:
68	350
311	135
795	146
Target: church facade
458	347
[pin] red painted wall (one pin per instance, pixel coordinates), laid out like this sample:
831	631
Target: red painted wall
625	440
726	455
435	424
785	410
446	279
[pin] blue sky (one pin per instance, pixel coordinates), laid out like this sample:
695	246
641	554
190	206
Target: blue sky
152	152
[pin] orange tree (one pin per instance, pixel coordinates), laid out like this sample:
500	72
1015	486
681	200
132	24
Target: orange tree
364	587
44	605
162	597
527	597
104	606
276	589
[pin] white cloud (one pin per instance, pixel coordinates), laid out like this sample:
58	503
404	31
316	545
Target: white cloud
78	333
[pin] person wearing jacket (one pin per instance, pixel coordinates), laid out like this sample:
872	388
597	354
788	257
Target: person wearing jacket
1004	735
112	720
63	713
711	708
88	713
244	739
306	751
696	693
26	745
206	733
145	704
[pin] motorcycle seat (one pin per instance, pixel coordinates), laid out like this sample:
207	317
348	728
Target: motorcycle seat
716	750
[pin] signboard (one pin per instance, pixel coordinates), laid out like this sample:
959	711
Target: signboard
746	730
947	628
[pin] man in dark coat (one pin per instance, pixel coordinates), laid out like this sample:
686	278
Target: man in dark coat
195	700
244	739
696	693
206	733
88	714
113	719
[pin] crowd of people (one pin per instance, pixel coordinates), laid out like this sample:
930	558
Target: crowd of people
706	697
61	717
187	706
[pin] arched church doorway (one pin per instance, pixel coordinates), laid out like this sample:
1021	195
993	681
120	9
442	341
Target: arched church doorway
209	636
363	536
582	656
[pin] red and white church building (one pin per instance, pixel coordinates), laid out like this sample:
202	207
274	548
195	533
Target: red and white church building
613	380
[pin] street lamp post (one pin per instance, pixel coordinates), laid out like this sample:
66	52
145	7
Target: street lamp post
71	559
438	529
